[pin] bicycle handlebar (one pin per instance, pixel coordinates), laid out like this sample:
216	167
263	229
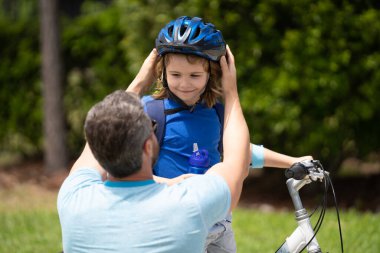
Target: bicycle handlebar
300	170
299	175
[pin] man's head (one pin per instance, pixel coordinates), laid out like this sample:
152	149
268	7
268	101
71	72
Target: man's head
116	130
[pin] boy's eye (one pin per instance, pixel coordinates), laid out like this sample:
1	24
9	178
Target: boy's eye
195	76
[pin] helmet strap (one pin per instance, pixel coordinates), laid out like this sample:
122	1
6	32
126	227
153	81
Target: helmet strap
207	83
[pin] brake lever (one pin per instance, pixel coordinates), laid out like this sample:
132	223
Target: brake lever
316	172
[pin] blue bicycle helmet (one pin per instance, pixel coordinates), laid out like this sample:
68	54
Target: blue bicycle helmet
188	35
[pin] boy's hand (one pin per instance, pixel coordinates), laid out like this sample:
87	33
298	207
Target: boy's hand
146	76
300	159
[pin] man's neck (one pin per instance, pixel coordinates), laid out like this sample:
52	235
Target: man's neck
131	178
145	173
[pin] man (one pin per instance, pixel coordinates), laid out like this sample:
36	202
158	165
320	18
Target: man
129	212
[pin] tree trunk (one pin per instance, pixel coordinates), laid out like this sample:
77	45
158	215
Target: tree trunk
55	149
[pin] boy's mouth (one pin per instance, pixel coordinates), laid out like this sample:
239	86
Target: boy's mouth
187	91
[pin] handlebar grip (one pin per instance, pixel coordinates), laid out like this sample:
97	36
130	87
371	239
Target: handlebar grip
297	171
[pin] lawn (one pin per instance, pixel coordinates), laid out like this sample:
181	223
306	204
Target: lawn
29	223
29	220
264	232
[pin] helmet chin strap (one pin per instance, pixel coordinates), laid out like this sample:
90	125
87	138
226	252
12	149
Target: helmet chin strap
175	98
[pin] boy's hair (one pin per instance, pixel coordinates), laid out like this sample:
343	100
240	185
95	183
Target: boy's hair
213	91
116	129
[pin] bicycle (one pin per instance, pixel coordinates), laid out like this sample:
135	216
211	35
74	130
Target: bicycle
304	236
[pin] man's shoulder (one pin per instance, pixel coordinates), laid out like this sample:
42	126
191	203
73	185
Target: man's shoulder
210	194
81	178
210	185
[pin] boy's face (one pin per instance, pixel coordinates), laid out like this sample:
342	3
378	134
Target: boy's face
186	80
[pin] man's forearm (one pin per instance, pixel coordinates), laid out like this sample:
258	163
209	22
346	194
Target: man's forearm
236	134
146	75
137	86
87	159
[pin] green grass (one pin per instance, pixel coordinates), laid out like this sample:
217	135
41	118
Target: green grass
30	231
257	231
29	223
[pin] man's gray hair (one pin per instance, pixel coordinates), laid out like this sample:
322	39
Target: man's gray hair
116	129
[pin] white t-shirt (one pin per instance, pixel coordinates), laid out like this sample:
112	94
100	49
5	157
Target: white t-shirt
141	216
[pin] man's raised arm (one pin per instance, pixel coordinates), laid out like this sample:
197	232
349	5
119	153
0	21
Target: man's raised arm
234	168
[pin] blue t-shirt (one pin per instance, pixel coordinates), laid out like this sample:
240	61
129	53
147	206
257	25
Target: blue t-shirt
140	216
182	130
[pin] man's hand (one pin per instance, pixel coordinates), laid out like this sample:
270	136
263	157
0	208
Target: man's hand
227	64
146	76
172	181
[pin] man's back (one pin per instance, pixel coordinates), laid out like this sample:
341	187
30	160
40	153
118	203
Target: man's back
139	216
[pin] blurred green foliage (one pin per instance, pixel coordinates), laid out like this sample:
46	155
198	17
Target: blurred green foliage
94	61
20	92
308	71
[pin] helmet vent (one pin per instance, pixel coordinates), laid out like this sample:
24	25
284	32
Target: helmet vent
170	30
183	29
187	35
197	32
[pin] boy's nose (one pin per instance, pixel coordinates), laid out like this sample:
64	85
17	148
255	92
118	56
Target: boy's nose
186	83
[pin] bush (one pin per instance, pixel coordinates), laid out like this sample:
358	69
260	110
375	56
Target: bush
307	70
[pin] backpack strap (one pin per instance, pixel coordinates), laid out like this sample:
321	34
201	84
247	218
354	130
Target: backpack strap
219	108
155	110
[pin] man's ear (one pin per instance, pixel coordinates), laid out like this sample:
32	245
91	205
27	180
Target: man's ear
148	145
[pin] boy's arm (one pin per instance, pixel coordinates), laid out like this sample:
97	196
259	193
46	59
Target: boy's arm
263	157
277	160
234	168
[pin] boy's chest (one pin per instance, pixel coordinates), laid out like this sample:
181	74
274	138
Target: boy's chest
184	129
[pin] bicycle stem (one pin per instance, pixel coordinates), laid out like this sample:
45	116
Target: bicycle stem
304	232
293	187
